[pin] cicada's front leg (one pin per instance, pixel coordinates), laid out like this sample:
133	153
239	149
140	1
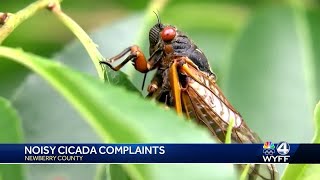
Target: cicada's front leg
136	56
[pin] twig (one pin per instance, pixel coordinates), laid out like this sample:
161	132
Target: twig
11	21
245	172
229	131
86	41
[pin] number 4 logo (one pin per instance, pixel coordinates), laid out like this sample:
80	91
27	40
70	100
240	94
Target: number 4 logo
283	148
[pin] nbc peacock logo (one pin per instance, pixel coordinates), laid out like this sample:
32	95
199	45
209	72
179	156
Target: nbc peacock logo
268	148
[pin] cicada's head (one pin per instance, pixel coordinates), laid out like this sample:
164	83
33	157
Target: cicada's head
160	34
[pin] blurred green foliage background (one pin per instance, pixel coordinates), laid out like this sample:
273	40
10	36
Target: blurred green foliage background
265	53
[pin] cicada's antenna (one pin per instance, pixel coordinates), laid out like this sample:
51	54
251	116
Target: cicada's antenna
158	17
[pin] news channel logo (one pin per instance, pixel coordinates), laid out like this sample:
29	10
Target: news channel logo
268	148
270	155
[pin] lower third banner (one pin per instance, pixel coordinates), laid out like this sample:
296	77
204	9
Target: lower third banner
160	153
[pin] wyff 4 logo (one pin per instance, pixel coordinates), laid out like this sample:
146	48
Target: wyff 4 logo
270	154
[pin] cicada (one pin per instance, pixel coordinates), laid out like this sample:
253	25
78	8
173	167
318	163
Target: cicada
184	80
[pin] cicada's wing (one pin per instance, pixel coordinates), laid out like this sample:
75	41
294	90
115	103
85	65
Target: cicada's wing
204	102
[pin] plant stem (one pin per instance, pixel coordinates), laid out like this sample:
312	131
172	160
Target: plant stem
11	21
229	131
84	38
245	172
14	20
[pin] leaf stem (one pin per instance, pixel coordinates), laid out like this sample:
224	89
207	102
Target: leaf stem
10	21
14	20
229	131
84	38
245	172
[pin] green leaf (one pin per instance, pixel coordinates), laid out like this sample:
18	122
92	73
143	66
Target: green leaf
122	117
10	132
316	138
118	173
41	125
103	172
11	77
120	79
312	172
314	38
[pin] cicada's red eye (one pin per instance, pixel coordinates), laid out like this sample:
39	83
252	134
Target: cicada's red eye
168	33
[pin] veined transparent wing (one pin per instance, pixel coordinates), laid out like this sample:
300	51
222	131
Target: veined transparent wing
204	102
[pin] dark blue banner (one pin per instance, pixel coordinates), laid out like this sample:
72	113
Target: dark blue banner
160	153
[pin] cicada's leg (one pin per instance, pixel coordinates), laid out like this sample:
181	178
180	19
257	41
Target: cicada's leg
136	56
175	87
155	82
183	67
188	61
